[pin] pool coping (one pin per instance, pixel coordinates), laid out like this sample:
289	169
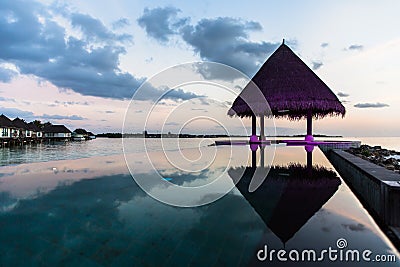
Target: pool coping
377	188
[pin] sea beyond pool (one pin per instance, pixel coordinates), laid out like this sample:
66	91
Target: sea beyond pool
111	146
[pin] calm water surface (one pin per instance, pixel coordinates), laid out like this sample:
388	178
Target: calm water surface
105	146
85	149
90	212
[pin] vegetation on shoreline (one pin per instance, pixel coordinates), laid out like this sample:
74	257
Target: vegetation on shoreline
110	135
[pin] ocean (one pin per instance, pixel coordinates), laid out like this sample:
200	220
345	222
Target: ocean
110	146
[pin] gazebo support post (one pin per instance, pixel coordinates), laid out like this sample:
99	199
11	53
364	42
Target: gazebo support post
309	163
262	135
253	137
262	157
309	136
254	158
309	150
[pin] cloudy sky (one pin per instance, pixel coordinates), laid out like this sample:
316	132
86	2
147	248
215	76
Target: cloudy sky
79	62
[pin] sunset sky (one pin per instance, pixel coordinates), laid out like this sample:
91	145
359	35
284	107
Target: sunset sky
79	63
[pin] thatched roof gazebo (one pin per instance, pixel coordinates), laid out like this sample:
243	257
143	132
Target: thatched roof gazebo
291	89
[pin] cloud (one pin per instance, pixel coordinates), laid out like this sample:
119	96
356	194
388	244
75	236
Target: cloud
223	39
94	30
172	124
69	103
180	94
216	71
6	99
62	117
148	92
15	112
316	65
161	23
341	94
89	64
323	45
355	227
6	75
355	47
204	101
121	23
371	105
226	40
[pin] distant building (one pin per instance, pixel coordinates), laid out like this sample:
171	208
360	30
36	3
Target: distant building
57	132
6	127
22	128
78	137
91	135
19	132
36	131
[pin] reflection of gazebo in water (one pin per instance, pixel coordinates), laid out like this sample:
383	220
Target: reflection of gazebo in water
289	196
291	89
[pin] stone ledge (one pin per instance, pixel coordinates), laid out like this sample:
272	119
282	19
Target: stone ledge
377	188
375	171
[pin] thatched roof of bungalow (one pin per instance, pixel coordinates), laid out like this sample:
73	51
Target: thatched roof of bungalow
20	124
56	128
291	89
33	127
5	121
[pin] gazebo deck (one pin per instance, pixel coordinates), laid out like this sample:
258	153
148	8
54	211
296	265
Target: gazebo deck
331	144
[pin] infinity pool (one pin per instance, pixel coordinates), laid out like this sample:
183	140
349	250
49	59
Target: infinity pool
90	212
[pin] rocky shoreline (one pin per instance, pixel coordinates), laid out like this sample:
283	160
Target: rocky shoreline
390	159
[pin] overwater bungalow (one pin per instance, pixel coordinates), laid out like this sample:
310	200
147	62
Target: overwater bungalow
37	133
91	135
78	137
82	135
6	127
17	131
23	130
286	87
57	133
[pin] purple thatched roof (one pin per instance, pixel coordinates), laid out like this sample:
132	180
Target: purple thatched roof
291	89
